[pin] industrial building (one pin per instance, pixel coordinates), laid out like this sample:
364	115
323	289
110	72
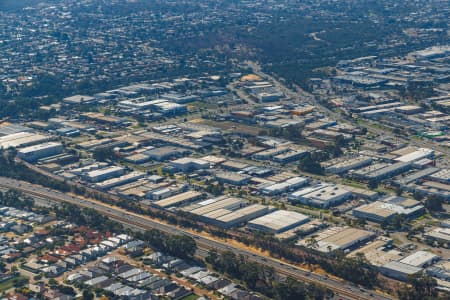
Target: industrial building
420	259
178	200
388	171
104	173
398	270
269	153
349	164
207	206
439	234
324	196
232	178
278	221
442	176
225	211
130	177
240	216
21	139
187	164
385	209
165	153
420	153
33	153
290	156
285	186
337	238
79	99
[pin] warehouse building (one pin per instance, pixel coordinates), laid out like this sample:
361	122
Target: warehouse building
325	197
297	195
110	183
439	234
387	208
442	176
178	200
21	139
104	173
278	221
337	238
207	206
33	153
420	259
290	156
232	178
415	176
240	216
165	153
349	164
187	164
285	186
269	153
389	171
79	99
398	270
420	153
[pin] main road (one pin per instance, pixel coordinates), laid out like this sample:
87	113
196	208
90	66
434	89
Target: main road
204	244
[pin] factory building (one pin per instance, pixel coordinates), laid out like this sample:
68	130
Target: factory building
165	153
21	139
387	208
221	203
442	176
290	156
187	164
349	164
323	197
439	234
338	238
104	174
178	200
419	154
285	186
239	216
278	221
388	171
269	153
398	270
79	99
232	178
420	259
110	183
33	153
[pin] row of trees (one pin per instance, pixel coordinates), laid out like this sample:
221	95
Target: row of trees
13	198
178	245
263	279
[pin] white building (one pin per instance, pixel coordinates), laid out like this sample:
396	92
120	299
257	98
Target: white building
36	152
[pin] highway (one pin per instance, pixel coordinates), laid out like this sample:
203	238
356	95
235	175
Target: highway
344	290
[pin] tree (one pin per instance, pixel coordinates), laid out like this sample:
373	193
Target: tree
104	154
420	286
311	165
434	203
87	295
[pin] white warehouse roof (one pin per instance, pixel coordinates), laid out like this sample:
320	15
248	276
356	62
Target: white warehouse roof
278	221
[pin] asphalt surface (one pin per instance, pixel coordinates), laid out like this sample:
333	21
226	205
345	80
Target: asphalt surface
343	289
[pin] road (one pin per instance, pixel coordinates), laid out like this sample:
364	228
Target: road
345	290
